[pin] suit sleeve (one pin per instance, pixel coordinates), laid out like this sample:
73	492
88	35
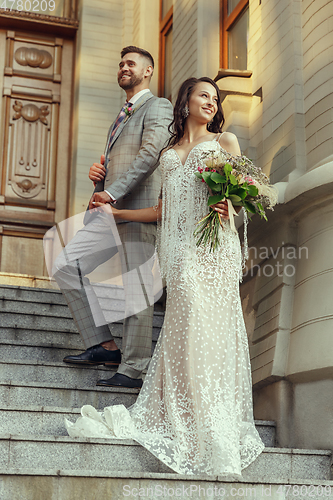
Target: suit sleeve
154	138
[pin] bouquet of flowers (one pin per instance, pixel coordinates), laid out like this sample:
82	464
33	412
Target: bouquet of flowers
238	181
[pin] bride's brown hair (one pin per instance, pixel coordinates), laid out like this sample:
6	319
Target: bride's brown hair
176	127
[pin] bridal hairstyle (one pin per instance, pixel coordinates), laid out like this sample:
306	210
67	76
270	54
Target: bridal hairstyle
177	126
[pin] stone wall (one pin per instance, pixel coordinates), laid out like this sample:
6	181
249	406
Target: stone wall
195	51
105	28
275	56
317	29
98	93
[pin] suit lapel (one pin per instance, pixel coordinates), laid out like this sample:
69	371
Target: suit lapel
137	105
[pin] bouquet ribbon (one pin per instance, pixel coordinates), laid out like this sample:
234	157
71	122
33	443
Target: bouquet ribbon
232	213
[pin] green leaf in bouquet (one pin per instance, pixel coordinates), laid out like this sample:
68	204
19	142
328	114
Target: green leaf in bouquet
215	199
241	193
233	179
218	178
261	211
233	189
250	207
252	190
227	169
198	175
234	198
205	176
217	188
208	180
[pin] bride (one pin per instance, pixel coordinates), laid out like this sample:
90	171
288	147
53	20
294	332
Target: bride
194	411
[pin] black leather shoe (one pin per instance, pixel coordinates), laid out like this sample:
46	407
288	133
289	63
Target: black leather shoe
119	380
96	355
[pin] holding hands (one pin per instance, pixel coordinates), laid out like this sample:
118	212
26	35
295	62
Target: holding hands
99	199
97	173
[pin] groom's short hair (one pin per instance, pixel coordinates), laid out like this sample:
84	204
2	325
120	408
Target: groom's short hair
137	50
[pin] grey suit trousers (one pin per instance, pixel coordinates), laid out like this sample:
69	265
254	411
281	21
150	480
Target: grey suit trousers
91	246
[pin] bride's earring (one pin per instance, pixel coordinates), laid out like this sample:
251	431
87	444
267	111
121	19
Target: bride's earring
186	111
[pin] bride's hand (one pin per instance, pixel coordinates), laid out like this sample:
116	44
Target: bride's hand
221	208
107	208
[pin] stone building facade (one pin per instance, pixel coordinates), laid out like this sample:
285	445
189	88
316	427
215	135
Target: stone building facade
275	77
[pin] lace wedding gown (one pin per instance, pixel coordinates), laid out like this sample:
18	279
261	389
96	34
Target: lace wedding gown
194	411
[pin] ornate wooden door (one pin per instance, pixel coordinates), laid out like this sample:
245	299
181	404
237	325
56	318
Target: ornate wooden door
36	123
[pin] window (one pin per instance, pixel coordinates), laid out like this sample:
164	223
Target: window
234	34
165	52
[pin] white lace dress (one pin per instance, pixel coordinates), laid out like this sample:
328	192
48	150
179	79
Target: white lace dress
194	411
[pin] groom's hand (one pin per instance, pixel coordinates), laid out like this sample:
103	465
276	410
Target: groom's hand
97	171
101	197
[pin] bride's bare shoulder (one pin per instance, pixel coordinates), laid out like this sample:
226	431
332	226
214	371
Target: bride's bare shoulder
165	150
230	143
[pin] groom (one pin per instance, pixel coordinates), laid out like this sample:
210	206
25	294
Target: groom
127	177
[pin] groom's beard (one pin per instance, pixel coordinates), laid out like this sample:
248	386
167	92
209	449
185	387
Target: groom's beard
130	83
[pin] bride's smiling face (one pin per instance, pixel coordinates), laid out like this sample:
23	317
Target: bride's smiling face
203	101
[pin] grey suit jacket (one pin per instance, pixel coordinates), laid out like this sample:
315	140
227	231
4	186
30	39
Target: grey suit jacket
133	177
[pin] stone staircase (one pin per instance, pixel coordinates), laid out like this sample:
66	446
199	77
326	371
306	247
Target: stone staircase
38	460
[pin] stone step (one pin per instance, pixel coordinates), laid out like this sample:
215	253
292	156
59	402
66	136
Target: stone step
36	321
49	296
53	297
36	420
43	420
29	294
106	455
17	393
18	351
41	338
54	373
70	485
55	310
60	339
77	484
34	308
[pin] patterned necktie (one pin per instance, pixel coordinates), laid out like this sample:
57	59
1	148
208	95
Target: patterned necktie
119	119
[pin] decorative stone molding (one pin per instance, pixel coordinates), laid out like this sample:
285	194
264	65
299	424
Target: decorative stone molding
30	56
33	16
30	112
26	185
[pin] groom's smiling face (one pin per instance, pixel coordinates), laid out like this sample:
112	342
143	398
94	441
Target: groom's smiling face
132	70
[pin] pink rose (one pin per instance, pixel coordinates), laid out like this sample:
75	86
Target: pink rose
249	180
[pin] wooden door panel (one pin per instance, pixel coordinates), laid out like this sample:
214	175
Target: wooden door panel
36	122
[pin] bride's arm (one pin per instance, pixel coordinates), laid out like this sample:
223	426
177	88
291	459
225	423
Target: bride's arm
151	214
